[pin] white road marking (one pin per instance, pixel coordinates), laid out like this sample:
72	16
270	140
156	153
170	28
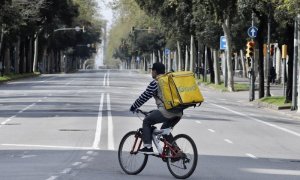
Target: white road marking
104	79
90	152
110	126
31	105
69	82
199	122
28	156
260	121
251	155
273	171
7	120
99	124
66	171
90	159
107	82
228	141
52	178
76	163
211	130
83	165
84	157
47	146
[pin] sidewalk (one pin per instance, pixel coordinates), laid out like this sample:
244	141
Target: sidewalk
275	90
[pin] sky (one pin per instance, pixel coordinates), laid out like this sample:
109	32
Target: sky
106	11
106	14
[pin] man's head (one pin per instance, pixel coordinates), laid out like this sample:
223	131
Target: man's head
157	69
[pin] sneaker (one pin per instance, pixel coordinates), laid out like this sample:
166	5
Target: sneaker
146	150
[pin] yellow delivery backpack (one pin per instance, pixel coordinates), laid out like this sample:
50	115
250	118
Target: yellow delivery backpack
179	89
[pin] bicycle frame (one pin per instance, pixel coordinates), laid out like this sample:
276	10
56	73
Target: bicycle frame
137	136
162	151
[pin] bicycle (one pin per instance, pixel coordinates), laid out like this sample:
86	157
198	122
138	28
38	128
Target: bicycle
181	160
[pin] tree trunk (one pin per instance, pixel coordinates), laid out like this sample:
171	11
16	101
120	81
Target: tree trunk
1	37
17	56
22	55
216	67
260	42
243	64
278	65
35	59
159	56
30	55
289	88
210	66
179	56
7	60
192	54
186	62
225	26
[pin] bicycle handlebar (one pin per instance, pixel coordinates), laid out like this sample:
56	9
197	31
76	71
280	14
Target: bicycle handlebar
142	112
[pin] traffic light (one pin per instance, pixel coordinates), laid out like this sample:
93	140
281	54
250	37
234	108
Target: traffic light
250	49
284	51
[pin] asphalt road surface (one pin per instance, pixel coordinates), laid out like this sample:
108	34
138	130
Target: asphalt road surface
68	126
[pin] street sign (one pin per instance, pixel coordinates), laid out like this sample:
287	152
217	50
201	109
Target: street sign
167	51
223	43
252	31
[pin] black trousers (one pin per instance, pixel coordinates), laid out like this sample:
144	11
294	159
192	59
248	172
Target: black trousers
154	118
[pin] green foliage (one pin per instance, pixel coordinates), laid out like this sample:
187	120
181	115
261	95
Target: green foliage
123	44
276	100
9	77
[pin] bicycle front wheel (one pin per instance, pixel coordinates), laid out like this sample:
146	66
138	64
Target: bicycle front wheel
183	164
130	160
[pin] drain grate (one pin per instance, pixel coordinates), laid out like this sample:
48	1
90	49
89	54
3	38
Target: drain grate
295	161
73	130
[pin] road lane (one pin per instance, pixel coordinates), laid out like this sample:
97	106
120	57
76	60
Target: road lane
61	131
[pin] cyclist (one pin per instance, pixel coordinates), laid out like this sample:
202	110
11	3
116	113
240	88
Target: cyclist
169	118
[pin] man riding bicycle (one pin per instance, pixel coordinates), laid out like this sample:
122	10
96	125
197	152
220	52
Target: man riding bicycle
169	118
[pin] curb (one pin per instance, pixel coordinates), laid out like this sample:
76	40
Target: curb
271	106
19	78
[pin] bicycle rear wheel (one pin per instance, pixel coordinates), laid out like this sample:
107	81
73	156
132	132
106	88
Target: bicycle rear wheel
184	164
130	160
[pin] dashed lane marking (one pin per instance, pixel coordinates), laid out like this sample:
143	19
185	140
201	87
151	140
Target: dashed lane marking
76	163
211	130
99	124
47	146
260	121
228	141
84	157
110	125
52	178
251	156
66	171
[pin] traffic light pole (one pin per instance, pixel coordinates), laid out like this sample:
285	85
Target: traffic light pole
250	54
252	81
268	58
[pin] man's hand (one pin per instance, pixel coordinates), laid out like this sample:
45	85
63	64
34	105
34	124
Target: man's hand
132	109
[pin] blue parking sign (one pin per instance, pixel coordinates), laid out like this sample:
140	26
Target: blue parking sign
223	43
